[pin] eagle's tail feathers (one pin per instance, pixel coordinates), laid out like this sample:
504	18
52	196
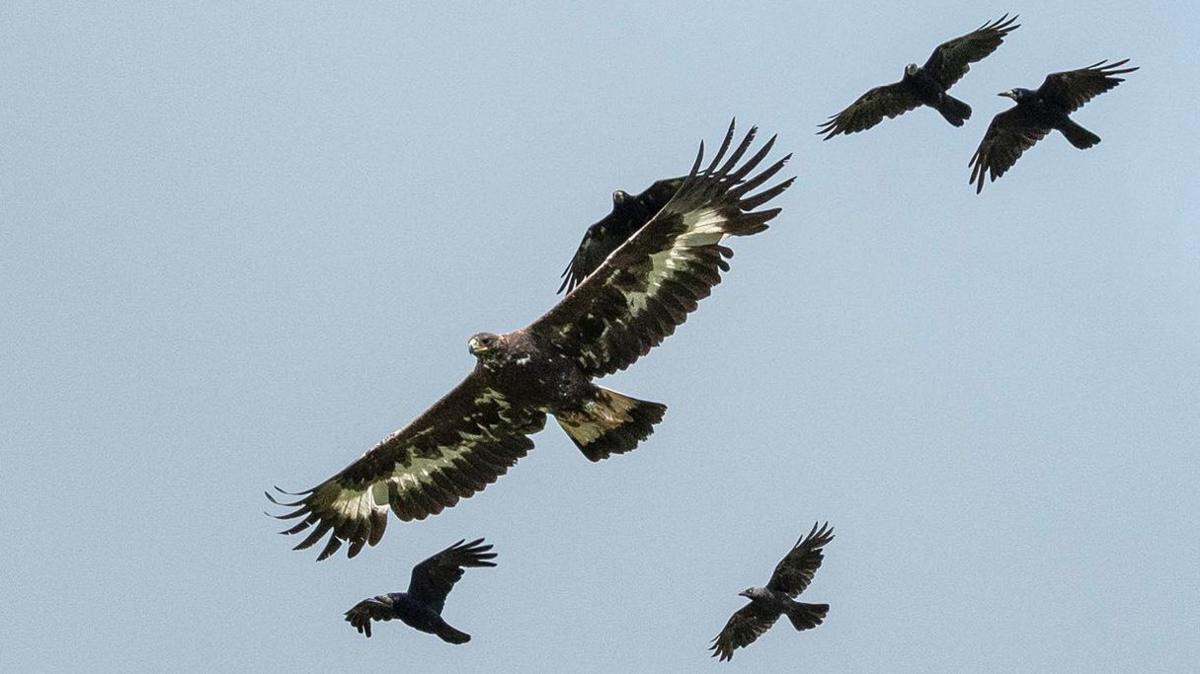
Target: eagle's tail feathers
610	423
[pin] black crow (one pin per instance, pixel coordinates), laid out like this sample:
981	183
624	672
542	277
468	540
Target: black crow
925	85
628	215
791	576
1037	112
421	606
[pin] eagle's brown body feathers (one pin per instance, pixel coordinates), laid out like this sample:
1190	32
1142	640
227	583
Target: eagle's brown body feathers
627	305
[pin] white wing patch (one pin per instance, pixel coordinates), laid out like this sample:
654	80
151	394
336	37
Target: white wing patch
705	227
357	504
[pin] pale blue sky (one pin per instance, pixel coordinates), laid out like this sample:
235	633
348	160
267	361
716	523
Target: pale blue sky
239	245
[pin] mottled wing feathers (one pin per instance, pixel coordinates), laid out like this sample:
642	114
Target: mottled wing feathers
463	443
433	578
795	571
647	287
1006	139
375	608
745	625
1072	88
629	214
889	100
951	59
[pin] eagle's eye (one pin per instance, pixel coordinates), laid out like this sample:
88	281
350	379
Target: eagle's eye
482	343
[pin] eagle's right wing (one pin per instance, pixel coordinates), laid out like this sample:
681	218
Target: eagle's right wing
648	285
457	447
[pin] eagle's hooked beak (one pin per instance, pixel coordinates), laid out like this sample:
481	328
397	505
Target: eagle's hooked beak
475	346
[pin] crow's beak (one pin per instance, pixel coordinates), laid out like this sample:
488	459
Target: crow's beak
745	594
1006	94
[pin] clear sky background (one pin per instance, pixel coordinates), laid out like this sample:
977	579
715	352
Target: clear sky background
241	244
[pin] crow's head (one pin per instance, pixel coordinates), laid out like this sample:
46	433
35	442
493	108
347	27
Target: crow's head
1017	94
752	592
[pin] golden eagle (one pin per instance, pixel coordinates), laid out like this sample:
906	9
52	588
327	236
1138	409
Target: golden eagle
626	306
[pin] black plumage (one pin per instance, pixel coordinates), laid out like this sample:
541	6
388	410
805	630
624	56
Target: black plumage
421	607
1036	113
924	85
629	213
792	575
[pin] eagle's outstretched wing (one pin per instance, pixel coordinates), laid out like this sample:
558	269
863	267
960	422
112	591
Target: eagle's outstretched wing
433	578
1072	88
629	214
745	625
463	443
647	286
953	58
1006	139
795	571
889	100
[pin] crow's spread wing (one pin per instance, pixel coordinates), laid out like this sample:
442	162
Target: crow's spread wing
629	214
745	625
953	58
795	571
1007	137
1072	88
433	578
889	100
375	608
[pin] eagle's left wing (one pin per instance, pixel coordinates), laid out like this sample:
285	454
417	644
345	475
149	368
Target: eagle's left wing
647	286
461	444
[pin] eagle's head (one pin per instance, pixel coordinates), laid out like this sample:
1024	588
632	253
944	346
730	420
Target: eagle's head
911	69
620	197
485	345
